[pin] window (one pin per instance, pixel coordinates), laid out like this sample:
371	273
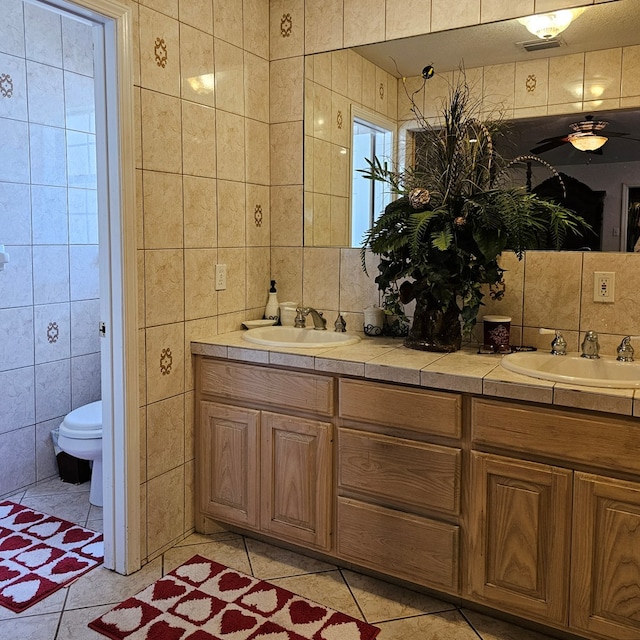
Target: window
372	138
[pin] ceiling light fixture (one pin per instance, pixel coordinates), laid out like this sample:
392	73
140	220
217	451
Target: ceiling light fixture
549	25
587	141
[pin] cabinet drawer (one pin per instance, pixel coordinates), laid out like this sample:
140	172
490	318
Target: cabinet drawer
611	443
401	472
281	389
410	409
403	545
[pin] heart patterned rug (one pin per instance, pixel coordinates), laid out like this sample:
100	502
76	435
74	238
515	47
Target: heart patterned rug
40	554
205	600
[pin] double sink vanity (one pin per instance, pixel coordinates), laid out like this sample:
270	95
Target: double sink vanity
444	471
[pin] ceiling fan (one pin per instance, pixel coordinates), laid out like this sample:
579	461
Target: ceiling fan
586	135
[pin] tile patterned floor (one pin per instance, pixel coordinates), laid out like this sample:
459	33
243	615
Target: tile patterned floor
401	614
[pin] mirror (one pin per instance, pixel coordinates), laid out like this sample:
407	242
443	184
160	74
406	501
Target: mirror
543	91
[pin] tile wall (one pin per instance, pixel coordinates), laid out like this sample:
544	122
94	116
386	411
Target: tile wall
49	306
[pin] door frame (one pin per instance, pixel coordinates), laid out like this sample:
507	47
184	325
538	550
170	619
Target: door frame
113	55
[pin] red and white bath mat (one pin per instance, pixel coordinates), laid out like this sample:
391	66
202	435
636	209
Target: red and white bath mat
40	554
204	600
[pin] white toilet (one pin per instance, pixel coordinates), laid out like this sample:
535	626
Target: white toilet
81	437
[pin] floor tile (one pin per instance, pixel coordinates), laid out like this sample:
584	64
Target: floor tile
327	588
270	562
102	586
449	625
73	624
230	552
72	506
55	485
42	627
51	604
95	525
385	601
493	629
201	538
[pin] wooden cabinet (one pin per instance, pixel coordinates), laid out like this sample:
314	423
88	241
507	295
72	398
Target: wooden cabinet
259	469
519	530
605	568
398	501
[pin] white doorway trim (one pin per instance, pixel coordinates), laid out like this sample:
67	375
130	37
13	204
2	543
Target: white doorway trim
113	45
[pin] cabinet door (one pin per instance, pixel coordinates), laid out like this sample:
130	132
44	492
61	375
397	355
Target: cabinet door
296	479
228	463
519	532
605	575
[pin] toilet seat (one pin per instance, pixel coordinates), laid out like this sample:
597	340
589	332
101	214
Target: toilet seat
84	422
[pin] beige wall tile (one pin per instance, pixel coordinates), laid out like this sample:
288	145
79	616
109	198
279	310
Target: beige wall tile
447	15
354	79
549	300
232	299
630	75
286	223
620	317
287	28
493	10
256	87
142	423
168	7
286	153
357	288
341	121
602	74
143	520
258	215
137	114
321	216
339	222
512	302
364	22
165	508
309	143
340	172
286	269
165	435
189	495
198	140
566	79
256	151
229	72
159	52
543	6
397	24
140	284
200	296
382	91
256	27
139	210
340	72
258	277
230	146
434	95
323	25
227	21
499	87
164	361
196	65
162	204
323	69
287	89
161	132
369	89
200	212
532	83
197	14
321	160
407	96
321	278
322	116
601	105
164	286
231	214
142	367
392	97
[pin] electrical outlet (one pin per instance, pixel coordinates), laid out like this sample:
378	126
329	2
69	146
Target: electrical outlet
604	286
221	277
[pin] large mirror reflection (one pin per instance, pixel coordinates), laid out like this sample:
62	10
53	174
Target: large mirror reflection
546	87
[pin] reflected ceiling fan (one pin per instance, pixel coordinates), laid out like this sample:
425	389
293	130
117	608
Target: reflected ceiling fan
587	135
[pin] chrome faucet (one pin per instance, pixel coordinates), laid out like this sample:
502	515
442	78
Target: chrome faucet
625	350
319	323
558	344
590	346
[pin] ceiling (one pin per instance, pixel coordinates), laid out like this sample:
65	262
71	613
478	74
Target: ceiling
602	26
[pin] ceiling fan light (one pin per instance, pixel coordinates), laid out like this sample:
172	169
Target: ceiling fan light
587	141
549	25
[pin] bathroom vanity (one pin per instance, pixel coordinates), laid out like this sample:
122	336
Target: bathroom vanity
530	507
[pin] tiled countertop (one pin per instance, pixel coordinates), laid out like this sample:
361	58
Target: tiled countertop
387	360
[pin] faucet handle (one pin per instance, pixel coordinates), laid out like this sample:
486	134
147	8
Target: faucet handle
625	350
590	346
558	344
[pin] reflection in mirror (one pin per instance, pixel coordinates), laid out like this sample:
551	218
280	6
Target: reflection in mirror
590	70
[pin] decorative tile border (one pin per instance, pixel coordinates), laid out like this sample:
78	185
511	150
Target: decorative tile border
166	361
6	85
160	51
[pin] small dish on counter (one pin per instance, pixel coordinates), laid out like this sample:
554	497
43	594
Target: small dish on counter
254	324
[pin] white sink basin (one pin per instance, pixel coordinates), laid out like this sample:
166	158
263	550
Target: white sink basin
291	337
572	369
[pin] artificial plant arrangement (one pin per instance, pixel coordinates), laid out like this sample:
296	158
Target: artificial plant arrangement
456	212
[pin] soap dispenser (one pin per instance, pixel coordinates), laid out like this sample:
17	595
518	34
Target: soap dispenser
272	310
